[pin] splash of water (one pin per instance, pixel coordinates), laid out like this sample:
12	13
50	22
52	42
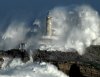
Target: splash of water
18	32
18	69
15	34
76	28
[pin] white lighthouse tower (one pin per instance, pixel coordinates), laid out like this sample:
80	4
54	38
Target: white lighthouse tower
49	26
47	40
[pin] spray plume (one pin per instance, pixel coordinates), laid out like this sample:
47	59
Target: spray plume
74	28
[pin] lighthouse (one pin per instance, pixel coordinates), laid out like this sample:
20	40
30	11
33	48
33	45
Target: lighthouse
47	41
48	26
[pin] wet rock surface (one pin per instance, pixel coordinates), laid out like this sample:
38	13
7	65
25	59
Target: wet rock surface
87	65
15	53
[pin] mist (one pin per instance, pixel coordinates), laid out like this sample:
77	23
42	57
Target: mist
74	28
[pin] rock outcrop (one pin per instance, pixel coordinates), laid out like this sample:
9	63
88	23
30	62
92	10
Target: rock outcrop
87	65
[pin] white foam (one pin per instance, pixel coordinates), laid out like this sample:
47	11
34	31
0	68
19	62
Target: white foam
31	70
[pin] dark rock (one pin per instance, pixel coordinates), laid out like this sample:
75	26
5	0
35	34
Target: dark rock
16	53
75	71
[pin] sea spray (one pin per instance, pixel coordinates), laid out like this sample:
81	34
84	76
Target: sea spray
73	27
18	69
76	28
